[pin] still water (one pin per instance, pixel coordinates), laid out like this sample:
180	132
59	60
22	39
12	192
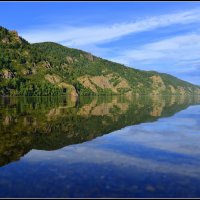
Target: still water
100	147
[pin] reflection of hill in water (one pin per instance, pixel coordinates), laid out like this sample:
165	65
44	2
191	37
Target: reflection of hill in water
52	123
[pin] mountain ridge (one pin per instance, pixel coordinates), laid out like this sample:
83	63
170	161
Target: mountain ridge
49	68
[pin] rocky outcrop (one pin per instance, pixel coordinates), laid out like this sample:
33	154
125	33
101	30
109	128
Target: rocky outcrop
85	81
5	40
172	89
104	82
71	90
27	72
89	57
46	64
7	74
197	91
69	59
56	80
157	85
15	37
181	90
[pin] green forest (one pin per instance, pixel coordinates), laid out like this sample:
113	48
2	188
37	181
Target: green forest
44	69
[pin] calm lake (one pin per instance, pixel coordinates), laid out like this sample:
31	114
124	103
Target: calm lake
118	146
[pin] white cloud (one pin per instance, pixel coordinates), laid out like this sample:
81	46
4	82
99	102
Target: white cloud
173	49
179	56
73	36
93	153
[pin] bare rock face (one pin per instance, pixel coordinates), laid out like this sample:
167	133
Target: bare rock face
89	57
103	82
69	59
57	80
46	64
15	36
5	40
34	71
197	92
172	89
181	90
7	74
70	88
158	83
27	72
54	79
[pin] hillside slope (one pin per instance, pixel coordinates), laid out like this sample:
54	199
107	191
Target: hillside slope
52	69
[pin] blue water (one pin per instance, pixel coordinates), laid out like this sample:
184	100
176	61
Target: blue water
151	159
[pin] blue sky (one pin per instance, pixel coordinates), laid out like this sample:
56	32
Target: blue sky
160	36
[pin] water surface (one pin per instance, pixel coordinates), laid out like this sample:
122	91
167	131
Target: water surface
100	147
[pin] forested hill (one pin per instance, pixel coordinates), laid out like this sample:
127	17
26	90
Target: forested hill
52	69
